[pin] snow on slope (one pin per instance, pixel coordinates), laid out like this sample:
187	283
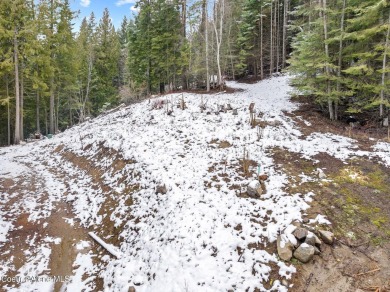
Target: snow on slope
200	234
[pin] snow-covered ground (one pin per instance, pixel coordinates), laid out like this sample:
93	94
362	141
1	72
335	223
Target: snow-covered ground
201	233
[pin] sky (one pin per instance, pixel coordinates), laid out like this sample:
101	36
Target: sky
117	8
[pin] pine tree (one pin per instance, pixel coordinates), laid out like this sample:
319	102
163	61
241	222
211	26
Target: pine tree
105	90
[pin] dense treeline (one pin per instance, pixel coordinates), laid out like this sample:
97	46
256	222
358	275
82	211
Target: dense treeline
340	54
53	75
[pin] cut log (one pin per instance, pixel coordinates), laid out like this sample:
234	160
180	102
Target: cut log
109	247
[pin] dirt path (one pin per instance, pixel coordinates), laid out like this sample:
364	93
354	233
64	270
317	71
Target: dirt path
28	237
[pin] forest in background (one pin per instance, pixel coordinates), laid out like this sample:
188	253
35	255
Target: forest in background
53	75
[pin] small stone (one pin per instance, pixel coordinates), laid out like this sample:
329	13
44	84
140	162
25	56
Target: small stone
284	249
310	239
305	220
320	173
131	289
235	112
304	253
326	236
229	107
296	223
316	250
284	283
161	189
300	233
313	240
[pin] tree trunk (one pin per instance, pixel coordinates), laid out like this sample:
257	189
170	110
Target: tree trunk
277	32
284	52
330	102
207	44
9	112
218	34
381	110
51	108
17	88
340	57
271	51
184	36
261	43
57	113
21	104
37	113
46	122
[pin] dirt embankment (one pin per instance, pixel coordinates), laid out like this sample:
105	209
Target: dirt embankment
355	197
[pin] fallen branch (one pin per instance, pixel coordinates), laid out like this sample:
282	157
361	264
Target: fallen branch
369	272
109	247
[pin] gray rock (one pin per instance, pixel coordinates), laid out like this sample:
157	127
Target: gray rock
312	239
229	107
326	236
304	253
296	223
300	233
161	189
235	112
305	220
254	189
285	249
131	289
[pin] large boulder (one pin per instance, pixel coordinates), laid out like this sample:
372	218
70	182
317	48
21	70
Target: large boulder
304	252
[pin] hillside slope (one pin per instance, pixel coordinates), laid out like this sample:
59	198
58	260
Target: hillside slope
201	232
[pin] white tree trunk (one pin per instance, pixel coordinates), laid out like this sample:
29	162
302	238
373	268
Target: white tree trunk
219	33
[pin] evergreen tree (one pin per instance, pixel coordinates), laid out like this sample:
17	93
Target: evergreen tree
107	53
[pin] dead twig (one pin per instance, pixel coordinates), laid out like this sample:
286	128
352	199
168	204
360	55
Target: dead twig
369	272
308	281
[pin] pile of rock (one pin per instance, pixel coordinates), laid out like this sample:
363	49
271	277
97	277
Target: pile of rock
302	244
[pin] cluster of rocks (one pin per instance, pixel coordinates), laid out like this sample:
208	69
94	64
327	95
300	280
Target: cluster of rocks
302	244
220	109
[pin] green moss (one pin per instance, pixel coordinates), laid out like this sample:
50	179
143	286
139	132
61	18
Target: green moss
379	222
